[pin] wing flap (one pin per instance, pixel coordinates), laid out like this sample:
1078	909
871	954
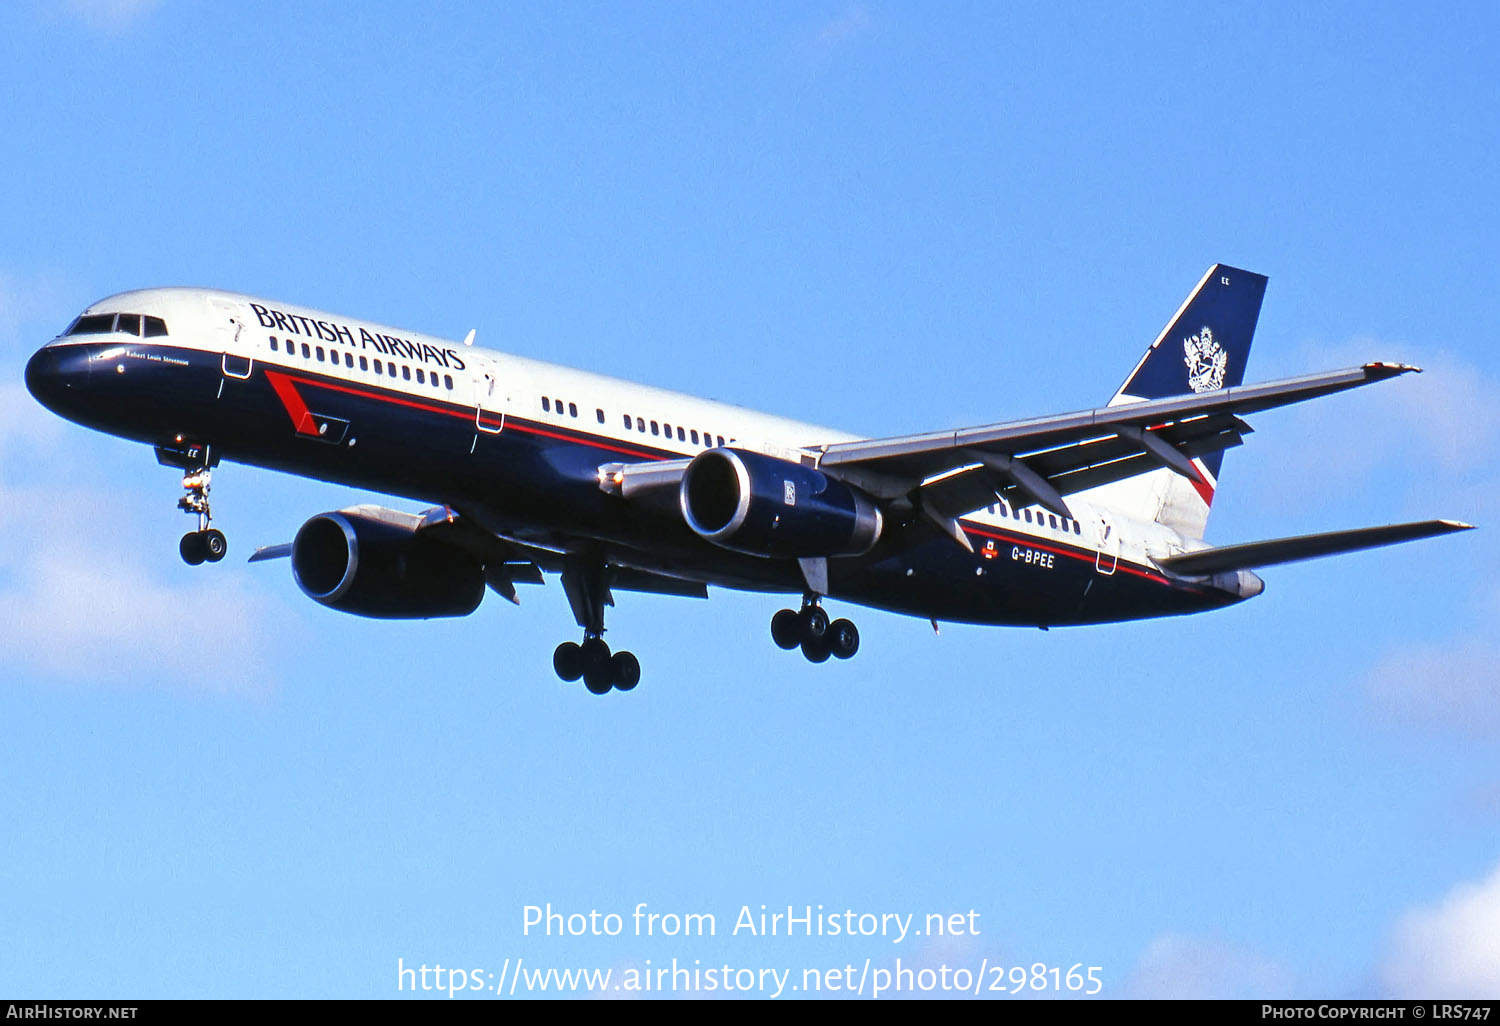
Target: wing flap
1306	546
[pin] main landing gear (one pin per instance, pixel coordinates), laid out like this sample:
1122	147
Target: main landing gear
584	582
207	543
810	629
593	662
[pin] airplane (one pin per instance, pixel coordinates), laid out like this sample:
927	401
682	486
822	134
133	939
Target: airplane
531	468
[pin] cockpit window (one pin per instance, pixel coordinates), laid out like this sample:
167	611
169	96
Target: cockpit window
130	324
94	324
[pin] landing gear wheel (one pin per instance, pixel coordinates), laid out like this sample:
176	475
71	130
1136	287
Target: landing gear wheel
816	650
214	544
567	661
597	681
842	638
192	548
814	623
786	629
625	669
596	665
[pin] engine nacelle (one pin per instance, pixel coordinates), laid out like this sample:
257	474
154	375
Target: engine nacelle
763	506
360	564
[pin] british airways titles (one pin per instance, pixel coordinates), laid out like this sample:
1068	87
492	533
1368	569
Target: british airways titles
329	331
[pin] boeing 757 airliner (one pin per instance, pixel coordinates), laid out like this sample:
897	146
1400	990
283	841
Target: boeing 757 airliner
531	468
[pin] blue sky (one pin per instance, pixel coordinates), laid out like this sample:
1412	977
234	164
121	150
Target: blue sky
882	216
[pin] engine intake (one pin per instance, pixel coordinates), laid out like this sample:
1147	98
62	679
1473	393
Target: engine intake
763	506
360	564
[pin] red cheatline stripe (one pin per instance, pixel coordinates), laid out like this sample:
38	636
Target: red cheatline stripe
302	420
1086	555
512	424
297	409
1205	490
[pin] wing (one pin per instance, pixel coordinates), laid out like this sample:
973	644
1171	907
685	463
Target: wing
1041	460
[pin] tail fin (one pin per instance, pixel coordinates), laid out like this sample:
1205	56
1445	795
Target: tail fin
1204	347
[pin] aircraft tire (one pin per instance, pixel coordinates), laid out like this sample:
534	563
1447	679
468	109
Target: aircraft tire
842	638
625	670
814	623
596	679
214	545
192	549
567	661
786	629
816	650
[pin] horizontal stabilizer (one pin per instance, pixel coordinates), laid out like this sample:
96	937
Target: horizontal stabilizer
1305	546
271	552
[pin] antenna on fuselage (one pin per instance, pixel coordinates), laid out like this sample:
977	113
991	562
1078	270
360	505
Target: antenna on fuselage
469	338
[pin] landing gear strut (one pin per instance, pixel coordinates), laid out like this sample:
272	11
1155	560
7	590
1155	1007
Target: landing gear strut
207	543
810	629
588	593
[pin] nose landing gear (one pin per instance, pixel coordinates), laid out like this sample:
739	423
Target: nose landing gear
810	630
196	461
207	544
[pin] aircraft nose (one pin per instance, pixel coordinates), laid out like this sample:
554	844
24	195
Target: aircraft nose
51	374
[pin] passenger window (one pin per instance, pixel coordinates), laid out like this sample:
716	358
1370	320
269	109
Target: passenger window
655	428
627	422
572	409
666	429
721	441
349	360
558	403
1028	515
1076	528
130	324
1052	521
155	327
694	433
273	344
378	368
448	381
421	378
405	372
390	369
546	405
306	351
681	434
600	414
320	354
640	423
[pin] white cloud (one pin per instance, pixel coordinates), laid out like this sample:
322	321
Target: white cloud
82	604
111	15
1449	950
1182	965
1453	685
855	20
1440	426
